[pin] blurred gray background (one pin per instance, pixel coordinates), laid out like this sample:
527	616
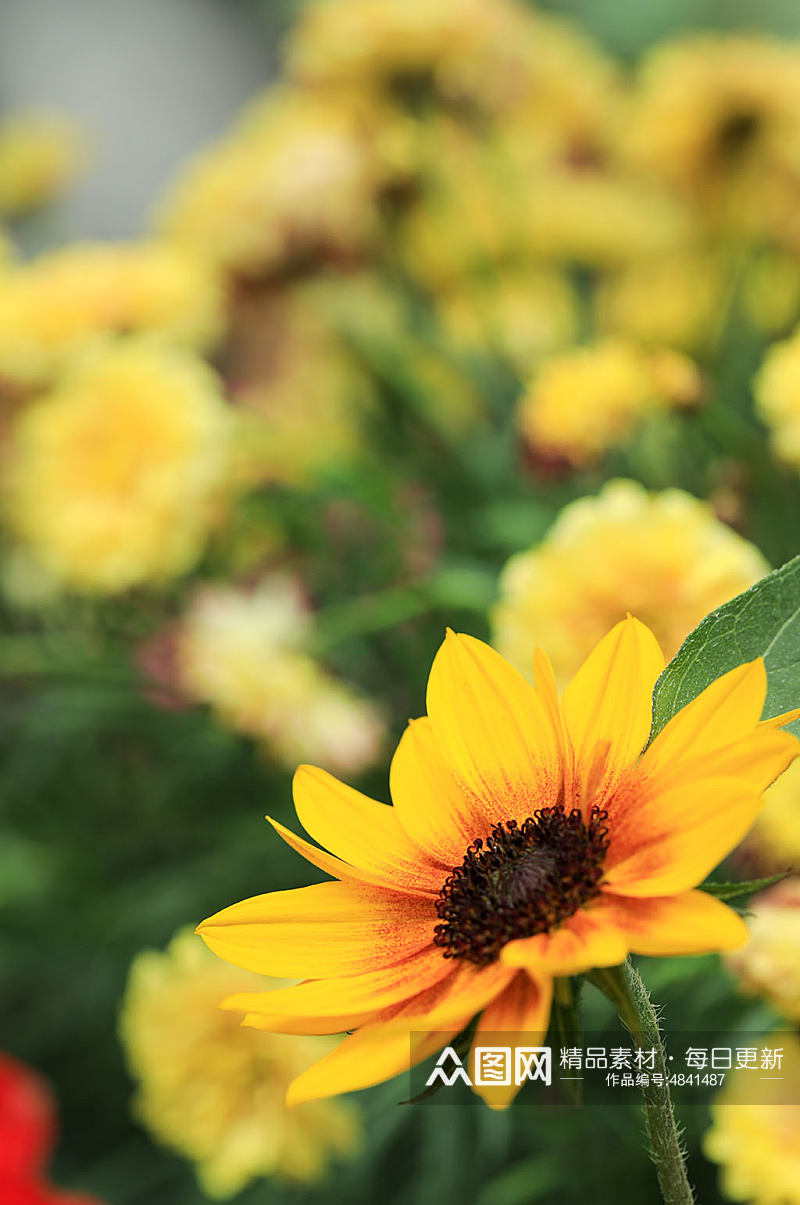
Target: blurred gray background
151	80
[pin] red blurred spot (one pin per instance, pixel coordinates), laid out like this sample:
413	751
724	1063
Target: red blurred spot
27	1135
27	1121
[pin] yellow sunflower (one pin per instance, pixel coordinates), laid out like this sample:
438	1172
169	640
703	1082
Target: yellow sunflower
530	838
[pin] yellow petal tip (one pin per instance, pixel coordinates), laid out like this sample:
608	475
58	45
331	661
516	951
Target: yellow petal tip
301	770
294	1096
229	1004
785	717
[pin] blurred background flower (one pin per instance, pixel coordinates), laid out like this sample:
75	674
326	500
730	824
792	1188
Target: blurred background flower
587	400
40	154
755	1144
754	1128
718	117
245	651
769	965
213	1089
777	393
773	844
662	556
52	306
115	477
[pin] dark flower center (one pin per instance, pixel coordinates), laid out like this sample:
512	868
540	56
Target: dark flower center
737	132
524	879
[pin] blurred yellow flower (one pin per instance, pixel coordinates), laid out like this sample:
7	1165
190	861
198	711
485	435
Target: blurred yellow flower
487	57
583	401
769	965
53	305
114	477
573	101
601	218
244	653
40	154
502	203
672	300
300	177
756	1143
773	844
663	556
467	219
777	394
451	50
213	1090
718	117
519	315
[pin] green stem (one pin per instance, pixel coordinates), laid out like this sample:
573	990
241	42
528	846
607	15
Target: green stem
624	987
566	1023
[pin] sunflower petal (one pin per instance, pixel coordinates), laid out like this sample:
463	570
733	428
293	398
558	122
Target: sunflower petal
326	930
673	839
547	692
335	866
755	760
521	1010
347	997
608	706
463	994
436	813
309	1026
584	941
725	711
361	831
693	922
369	1056
403	1034
493	732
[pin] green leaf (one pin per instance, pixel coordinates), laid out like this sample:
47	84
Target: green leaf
762	622
735	891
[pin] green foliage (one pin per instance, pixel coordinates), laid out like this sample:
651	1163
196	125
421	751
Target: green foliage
762	622
738	891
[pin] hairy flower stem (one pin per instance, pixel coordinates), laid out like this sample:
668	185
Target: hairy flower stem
624	987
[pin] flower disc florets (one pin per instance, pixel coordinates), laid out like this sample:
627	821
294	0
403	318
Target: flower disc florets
524	879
